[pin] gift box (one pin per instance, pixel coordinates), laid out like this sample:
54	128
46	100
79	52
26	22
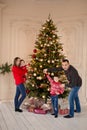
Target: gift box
63	111
39	111
46	107
31	108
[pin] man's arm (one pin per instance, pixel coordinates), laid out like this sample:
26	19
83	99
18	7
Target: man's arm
54	69
73	79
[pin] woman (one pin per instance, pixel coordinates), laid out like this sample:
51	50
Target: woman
19	74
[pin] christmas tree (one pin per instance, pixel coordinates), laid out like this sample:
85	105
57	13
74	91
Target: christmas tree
48	53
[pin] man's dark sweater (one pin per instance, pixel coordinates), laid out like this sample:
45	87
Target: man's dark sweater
71	74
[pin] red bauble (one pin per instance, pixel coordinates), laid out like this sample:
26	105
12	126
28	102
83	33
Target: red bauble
28	64
35	50
27	91
33	56
49	38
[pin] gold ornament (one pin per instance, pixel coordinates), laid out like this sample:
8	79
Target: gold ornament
41	60
53	35
48	61
41	45
52	74
33	85
53	51
45	55
48	45
43	96
41	66
53	61
45	44
51	43
57	66
48	89
34	74
43	28
39	78
35	68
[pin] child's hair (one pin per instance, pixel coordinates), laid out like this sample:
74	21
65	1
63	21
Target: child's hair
22	60
15	60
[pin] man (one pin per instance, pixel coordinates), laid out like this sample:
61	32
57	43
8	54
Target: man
75	83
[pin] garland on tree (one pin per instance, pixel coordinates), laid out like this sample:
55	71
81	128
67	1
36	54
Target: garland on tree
5	68
48	53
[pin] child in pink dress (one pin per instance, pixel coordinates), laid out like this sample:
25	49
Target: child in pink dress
56	89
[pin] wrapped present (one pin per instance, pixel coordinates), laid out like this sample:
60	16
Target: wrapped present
39	111
31	108
46	107
63	111
25	105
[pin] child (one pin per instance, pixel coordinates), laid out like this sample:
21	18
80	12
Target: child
18	74
56	89
24	67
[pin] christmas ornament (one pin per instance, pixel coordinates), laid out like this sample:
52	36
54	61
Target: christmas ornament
53	61
39	78
33	56
52	74
33	85
41	66
45	55
43	28
36	58
48	89
53	35
35	69
43	96
34	74
51	43
41	60
27	91
45	44
35	51
48	61
57	66
53	51
41	45
48	45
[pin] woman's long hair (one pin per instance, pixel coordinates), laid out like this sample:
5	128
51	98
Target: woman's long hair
15	60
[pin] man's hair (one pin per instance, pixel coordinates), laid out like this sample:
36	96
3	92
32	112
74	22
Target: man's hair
15	60
65	60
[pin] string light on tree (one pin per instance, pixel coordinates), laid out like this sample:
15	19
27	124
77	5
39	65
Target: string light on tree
46	54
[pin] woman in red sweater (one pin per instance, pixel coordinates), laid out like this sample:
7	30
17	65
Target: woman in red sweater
19	75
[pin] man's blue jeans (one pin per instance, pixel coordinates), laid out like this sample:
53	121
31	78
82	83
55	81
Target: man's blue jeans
54	100
20	95
73	96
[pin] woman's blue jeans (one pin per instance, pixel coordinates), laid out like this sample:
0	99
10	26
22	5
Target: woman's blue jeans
73	96
20	95
54	100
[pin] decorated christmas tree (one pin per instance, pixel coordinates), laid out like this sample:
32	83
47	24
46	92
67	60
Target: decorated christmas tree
48	53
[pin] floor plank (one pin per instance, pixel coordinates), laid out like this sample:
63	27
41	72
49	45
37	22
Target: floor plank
11	120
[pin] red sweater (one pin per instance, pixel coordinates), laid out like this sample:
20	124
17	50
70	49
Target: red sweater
19	74
55	86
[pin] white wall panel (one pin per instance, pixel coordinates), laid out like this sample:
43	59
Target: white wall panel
20	24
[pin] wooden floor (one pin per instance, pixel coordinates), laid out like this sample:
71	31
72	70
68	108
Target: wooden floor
9	120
